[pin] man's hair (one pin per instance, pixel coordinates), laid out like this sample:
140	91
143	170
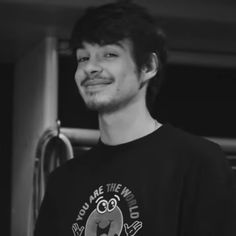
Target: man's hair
113	22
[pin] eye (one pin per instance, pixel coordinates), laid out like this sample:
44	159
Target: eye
112	204
82	59
102	206
110	55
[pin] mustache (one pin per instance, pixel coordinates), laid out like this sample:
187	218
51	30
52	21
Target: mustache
102	79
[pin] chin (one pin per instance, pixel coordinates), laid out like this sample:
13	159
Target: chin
101	106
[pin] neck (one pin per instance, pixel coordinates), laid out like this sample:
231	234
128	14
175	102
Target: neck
126	125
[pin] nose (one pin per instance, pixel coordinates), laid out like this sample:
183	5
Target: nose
93	67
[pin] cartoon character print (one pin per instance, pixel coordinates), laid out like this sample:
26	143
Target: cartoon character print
107	220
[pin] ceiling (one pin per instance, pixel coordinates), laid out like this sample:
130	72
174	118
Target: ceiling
197	26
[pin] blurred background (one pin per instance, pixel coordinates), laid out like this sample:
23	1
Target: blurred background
37	82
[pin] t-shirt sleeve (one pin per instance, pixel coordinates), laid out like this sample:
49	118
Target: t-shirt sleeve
213	206
47	219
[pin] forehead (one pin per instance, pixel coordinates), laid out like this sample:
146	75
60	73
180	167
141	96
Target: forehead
122	45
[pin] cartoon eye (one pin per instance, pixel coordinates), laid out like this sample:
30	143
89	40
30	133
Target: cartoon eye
102	206
112	204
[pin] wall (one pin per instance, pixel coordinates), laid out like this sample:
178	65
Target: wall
35	109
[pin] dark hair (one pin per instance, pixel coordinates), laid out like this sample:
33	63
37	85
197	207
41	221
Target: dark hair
110	23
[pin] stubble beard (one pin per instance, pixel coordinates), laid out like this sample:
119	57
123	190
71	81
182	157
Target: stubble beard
101	107
108	105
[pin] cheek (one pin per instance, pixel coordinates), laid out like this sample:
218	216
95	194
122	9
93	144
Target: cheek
78	77
129	78
129	69
123	74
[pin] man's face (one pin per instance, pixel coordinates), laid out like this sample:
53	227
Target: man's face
107	76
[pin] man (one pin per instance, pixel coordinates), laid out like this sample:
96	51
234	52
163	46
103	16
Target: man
143	178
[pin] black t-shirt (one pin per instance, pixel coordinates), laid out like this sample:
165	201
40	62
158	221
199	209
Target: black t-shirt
168	183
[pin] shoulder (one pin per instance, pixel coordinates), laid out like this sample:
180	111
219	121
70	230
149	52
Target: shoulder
193	147
188	141
201	155
71	168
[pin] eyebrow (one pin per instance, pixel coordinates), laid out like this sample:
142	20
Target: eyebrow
115	44
119	44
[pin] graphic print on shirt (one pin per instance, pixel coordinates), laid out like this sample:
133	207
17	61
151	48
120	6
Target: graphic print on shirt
111	210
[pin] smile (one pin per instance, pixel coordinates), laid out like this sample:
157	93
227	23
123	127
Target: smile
94	82
103	231
92	85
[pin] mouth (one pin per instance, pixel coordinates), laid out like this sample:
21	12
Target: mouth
96	81
103	231
95	84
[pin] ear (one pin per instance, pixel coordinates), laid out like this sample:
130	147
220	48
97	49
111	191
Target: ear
150	70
